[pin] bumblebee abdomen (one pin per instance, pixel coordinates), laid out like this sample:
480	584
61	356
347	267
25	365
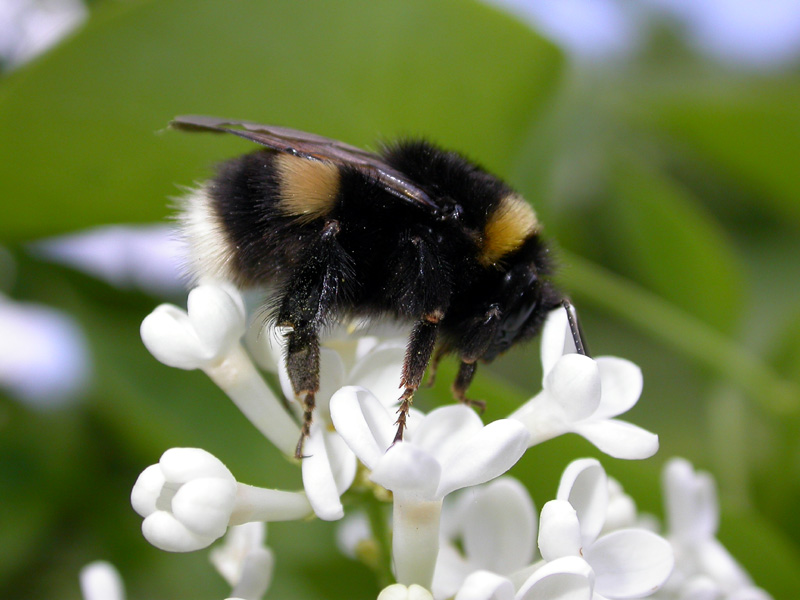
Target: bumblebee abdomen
251	222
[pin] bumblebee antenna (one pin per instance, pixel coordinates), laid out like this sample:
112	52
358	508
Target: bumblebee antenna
575	328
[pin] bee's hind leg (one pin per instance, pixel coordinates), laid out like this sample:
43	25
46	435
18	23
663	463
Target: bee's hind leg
418	354
306	305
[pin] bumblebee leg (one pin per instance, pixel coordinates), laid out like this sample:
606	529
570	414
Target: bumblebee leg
307	303
421	289
434	366
302	364
465	374
418	354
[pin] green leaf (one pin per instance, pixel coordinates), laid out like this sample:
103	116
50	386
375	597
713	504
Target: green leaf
749	130
665	240
82	137
767	554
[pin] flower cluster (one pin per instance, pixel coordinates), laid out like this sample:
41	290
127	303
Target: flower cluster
459	527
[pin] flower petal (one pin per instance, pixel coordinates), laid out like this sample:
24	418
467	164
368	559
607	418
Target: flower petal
256	574
331	378
239	541
585	486
397	591
450	572
542	417
409	469
147	489
363	422
556	339
621	382
319	479
691	501
559	531
164	531
486	454
204	505
567	578
500	527
217	315
483	585
619	438
750	593
380	372
713	558
575	383
444	430
630	563
101	581
701	587
184	464
170	337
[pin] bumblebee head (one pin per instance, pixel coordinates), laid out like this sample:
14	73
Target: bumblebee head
524	297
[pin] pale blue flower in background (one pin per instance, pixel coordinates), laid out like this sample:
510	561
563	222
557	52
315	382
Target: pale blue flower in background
144	257
764	34
29	27
44	355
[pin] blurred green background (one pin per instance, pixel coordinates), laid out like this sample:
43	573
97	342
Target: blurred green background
667	179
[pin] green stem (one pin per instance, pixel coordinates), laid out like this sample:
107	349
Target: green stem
687	334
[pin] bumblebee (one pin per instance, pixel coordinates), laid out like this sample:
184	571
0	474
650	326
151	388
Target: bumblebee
412	233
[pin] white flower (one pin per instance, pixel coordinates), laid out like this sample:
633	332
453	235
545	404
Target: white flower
703	565
101	581
244	561
627	563
445	451
207	336
581	395
44	357
398	591
495	524
189	499
200	336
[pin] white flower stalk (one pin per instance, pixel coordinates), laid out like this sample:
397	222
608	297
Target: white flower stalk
447	450
704	568
627	563
99	580
189	499
398	591
244	561
207	336
496	527
582	395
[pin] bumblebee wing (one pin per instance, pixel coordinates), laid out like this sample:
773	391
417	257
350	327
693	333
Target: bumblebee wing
313	147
